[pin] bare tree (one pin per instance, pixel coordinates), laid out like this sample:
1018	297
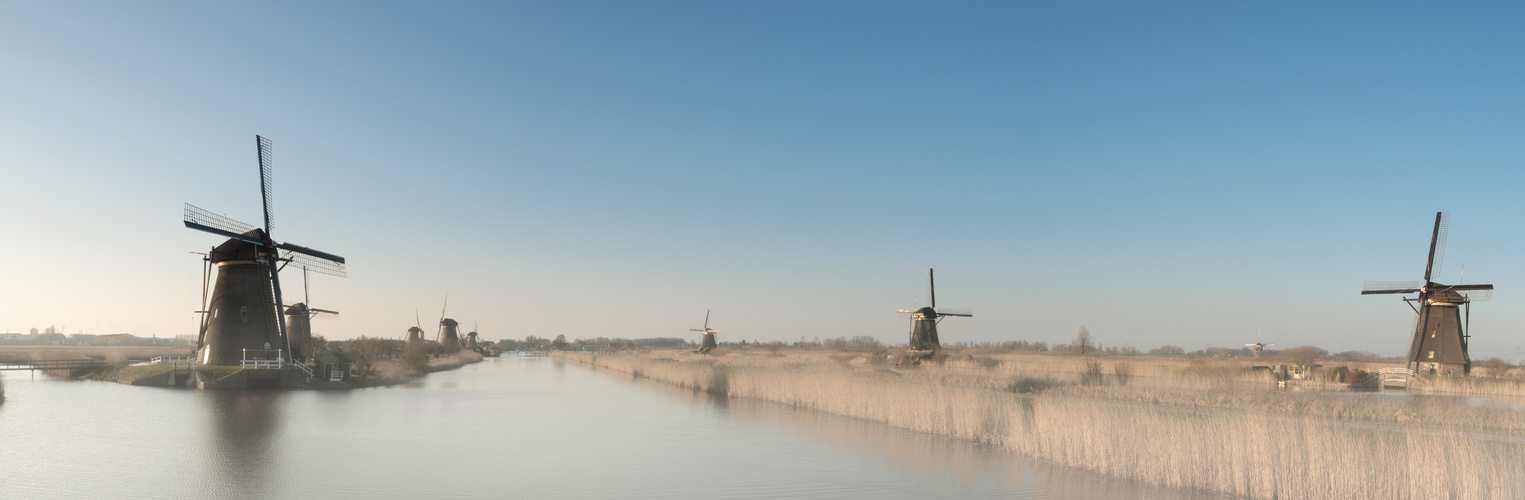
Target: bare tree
367	351
1083	343
1303	356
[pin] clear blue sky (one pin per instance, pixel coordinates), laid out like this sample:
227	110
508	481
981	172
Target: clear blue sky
1165	174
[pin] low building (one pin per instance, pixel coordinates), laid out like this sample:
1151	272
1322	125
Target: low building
334	366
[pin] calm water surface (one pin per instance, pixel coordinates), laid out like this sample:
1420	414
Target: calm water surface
504	428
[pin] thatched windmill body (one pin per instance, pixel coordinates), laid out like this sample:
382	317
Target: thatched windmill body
243	318
924	320
449	334
1440	334
707	343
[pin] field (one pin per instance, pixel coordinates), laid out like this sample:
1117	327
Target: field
1206	425
114	354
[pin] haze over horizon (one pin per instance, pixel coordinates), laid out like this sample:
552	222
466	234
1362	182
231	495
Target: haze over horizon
1180	174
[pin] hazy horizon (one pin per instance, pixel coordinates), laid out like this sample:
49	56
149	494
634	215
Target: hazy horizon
1181	174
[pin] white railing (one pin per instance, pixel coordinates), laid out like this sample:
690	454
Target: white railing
161	360
1396	371
305	369
262	363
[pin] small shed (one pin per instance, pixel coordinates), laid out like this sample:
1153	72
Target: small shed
334	366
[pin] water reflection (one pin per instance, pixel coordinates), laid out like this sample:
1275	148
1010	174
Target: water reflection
244	427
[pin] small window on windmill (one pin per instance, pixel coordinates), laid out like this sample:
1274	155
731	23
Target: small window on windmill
1432	354
243	313
214	312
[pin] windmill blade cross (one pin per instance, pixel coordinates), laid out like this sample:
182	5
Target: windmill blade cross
955	311
318	265
310	252
202	220
1437	246
266	179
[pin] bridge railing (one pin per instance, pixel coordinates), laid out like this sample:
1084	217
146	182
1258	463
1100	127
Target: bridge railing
51	364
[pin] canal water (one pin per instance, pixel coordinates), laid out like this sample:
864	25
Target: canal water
503	428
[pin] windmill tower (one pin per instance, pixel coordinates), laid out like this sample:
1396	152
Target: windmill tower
243	319
1258	348
707	343
1439	344
924	320
449	335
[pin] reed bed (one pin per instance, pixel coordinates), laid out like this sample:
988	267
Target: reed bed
1278	447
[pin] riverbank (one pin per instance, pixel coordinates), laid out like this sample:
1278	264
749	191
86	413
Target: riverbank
387	372
1245	442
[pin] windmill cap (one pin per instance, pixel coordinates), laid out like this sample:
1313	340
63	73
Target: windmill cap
928	312
238	249
414	329
448	322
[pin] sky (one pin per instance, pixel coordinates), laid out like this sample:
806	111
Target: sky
1163	173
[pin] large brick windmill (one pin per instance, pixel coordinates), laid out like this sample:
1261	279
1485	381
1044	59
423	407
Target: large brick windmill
924	320
1441	327
244	319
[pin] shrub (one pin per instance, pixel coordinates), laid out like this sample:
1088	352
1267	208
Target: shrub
1092	374
1123	372
1029	385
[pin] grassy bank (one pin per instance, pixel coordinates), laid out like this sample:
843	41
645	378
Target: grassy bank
1254	444
397	371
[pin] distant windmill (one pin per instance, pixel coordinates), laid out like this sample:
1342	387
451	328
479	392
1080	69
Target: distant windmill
449	336
299	320
924	320
244	316
471	339
1258	348
1440	337
707	343
416	332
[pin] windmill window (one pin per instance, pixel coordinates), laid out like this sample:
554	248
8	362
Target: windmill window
1432	354
243	313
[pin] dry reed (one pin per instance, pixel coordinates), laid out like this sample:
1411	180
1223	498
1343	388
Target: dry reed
1257	451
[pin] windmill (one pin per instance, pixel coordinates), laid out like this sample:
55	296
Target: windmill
1258	348
708	343
299	320
449	335
244	318
924	320
416	332
471	343
1440	336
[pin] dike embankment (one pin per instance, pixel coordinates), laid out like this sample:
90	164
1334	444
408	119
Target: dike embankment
1278	449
